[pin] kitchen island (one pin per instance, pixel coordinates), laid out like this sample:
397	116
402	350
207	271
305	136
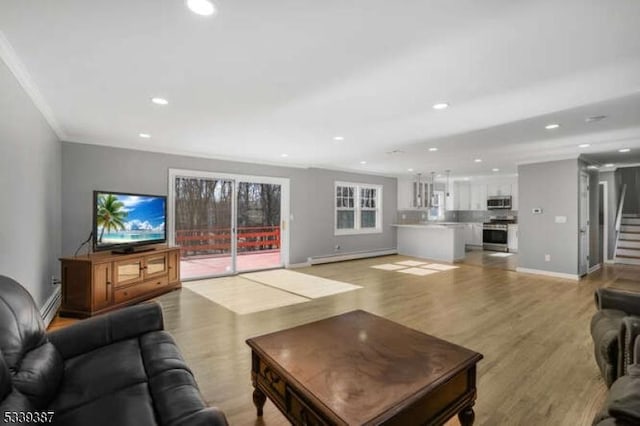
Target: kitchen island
436	241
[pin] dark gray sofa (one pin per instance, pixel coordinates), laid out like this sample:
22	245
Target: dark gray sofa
116	369
614	328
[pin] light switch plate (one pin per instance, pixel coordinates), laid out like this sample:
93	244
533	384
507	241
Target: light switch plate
561	219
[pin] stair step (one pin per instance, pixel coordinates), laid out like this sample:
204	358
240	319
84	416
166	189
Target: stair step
630	252
629	243
627	260
630	228
631	215
630	221
629	236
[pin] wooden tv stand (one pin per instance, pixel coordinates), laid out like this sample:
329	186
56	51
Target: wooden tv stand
100	282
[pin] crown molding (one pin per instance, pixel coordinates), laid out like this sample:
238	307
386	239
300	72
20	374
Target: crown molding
10	58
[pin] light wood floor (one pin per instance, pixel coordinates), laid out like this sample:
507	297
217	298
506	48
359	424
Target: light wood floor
538	368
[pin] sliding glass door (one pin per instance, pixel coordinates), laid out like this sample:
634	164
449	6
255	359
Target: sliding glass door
203	225
258	218
225	224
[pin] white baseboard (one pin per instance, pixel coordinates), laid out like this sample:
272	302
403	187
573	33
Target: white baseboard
50	308
549	273
298	265
350	256
609	261
595	268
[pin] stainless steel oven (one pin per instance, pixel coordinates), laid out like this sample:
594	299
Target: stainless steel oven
495	236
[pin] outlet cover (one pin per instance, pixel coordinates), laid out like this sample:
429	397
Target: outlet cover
547	258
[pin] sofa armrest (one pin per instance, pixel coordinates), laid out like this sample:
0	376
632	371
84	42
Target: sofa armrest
102	330
607	298
210	416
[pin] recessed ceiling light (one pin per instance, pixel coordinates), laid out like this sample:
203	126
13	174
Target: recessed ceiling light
159	101
442	105
144	135
495	170
284	155
201	7
584	145
592	167
624	150
466	178
609	165
409	170
433	149
478	160
363	162
338	138
552	126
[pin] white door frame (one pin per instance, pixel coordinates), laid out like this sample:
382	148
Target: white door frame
235	178
605	219
583	225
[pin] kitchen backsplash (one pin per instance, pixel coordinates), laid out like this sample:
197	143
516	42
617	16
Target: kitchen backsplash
417	216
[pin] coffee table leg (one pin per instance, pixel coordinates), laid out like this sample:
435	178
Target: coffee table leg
467	416
259	399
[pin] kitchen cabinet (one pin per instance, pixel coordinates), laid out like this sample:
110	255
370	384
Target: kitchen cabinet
498	188
476	238
512	238
478	197
462	196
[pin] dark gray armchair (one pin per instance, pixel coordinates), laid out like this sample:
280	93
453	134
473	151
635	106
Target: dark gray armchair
614	329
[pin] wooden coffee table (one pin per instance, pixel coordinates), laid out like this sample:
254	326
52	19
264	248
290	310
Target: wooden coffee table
361	369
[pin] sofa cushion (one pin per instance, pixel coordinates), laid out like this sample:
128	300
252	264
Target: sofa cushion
160	353
130	406
99	373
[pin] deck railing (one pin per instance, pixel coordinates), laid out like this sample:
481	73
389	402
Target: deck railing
211	241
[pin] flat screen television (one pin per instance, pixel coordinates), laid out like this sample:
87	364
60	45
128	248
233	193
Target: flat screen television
123	221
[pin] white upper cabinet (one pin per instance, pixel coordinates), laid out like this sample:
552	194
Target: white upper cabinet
462	199
499	188
478	199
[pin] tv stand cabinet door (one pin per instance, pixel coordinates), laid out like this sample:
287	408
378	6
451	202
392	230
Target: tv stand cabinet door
128	271
174	265
156	265
102	291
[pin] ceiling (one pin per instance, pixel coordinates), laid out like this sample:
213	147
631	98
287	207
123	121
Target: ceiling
262	79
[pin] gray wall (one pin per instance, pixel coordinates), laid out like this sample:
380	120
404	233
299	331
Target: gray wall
631	177
30	186
552	186
89	167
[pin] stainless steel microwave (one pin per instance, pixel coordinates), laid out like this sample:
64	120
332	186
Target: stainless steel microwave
499	202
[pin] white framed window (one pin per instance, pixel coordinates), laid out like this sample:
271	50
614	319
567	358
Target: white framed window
358	208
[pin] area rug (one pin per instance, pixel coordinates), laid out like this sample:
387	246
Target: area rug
418	271
410	263
241	295
300	284
388	267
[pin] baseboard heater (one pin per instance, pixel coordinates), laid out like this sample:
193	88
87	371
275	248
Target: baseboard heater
316	260
50	308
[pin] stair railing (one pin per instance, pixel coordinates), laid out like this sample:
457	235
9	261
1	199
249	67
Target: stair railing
619	216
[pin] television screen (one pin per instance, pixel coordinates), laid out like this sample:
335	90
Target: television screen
122	221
